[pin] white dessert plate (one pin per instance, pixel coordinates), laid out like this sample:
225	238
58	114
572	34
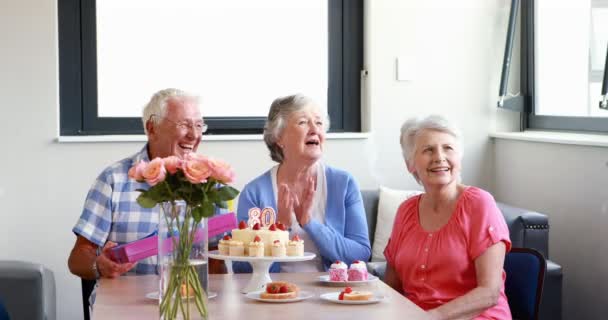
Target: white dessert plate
333	297
307	256
325	279
303	295
154	295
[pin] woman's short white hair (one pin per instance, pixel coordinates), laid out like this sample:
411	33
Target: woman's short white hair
280	111
412	127
158	104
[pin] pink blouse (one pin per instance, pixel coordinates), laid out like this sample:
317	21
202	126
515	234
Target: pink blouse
436	267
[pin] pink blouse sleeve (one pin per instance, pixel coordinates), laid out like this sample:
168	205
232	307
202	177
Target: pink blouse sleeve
485	224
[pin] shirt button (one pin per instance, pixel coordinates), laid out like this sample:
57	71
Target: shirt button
422	266
426	249
430	235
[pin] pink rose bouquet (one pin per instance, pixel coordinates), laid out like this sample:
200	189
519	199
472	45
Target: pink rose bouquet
201	183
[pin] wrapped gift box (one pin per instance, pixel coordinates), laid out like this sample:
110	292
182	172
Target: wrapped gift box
148	246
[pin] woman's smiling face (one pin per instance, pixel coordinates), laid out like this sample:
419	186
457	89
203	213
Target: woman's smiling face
437	158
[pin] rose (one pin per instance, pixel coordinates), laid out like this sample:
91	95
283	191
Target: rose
172	163
221	171
196	169
154	172
136	171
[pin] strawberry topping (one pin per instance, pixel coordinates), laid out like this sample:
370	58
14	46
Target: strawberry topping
341	296
276	241
273	227
356	261
256	226
348	290
281	226
296	238
283	289
242	225
337	262
257	239
226	237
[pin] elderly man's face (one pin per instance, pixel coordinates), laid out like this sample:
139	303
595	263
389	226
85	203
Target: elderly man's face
176	134
437	158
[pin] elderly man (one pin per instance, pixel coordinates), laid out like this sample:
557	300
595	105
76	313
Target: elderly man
111	215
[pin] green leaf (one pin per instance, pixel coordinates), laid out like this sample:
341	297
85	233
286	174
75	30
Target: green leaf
221	204
146	202
226	193
197	213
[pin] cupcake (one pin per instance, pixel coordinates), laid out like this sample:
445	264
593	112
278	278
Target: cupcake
357	271
338	271
256	247
237	248
278	249
224	245
295	247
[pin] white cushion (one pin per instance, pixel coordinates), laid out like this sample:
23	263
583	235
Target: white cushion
389	202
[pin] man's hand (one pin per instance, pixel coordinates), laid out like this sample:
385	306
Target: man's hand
107	267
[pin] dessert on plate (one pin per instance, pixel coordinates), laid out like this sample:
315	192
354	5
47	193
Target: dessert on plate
280	290
267	234
349	294
236	248
278	249
224	245
338	271
357	271
256	247
295	247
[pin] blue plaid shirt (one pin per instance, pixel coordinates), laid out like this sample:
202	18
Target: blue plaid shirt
111	212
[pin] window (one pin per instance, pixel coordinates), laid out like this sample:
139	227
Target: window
115	53
566	56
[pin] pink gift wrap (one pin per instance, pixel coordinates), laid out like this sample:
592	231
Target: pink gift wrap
148	246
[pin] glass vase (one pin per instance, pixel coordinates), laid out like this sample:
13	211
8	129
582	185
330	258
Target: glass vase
183	263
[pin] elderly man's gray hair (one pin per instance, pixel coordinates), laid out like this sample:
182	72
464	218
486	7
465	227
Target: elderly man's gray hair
412	127
158	104
280	111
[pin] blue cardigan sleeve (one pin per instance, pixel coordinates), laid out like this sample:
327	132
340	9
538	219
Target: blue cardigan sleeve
354	243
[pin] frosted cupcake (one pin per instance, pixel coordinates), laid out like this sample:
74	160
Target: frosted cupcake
256	247
224	245
237	248
338	271
278	249
357	271
295	247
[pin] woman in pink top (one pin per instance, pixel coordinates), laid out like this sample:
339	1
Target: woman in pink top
447	247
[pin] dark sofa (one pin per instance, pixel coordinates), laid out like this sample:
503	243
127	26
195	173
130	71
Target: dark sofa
528	229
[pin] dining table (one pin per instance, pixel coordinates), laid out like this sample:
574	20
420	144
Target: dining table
132	297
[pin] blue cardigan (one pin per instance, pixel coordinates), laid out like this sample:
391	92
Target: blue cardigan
344	234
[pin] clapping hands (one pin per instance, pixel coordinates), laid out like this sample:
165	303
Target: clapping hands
297	198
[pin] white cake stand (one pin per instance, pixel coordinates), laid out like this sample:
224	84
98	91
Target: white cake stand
261	267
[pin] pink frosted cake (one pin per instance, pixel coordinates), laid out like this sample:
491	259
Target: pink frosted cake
357	271
337	271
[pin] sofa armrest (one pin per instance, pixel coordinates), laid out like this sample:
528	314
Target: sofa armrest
24	281
377	268
528	229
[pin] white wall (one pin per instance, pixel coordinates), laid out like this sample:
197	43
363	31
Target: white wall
570	184
457	47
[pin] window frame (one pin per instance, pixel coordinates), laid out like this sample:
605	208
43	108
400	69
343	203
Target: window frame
78	75
543	122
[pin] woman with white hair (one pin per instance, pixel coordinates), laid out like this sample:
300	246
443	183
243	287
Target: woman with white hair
319	203
448	245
